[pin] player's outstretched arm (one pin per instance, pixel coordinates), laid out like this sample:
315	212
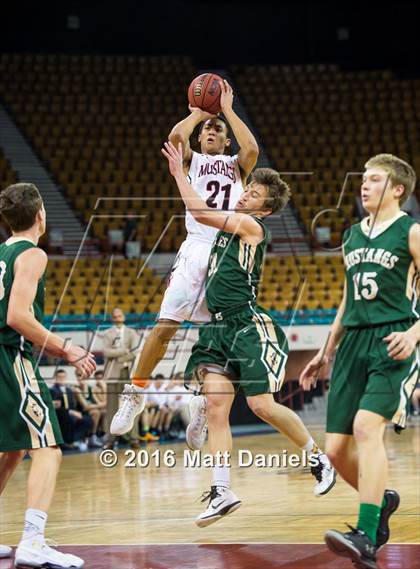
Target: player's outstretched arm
248	153
238	223
29	268
402	344
310	374
183	130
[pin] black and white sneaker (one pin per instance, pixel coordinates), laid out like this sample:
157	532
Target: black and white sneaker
325	475
392	499
222	501
354	544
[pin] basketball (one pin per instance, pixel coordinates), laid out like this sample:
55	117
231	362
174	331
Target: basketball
204	92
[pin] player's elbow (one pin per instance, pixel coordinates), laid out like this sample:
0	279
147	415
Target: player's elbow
252	153
253	149
199	216
14	319
203	217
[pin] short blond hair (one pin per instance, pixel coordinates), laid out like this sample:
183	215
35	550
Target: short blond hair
400	172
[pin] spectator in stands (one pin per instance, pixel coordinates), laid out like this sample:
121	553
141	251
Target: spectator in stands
88	404
99	389
156	405
99	386
148	431
178	399
120	345
75	426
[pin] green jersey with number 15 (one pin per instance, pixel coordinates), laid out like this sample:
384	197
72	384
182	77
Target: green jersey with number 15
381	277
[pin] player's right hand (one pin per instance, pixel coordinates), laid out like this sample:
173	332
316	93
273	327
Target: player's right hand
79	358
204	116
310	374
174	158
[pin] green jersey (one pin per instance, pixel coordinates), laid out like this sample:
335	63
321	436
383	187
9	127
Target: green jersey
234	271
9	251
381	277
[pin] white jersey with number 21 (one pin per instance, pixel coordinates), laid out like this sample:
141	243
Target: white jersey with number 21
217	180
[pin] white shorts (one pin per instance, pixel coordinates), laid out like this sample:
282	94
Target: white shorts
184	297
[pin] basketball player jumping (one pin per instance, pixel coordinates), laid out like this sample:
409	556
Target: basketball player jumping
377	362
28	422
242	345
218	179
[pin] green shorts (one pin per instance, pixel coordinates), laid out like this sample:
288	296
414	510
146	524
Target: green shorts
365	377
247	345
27	415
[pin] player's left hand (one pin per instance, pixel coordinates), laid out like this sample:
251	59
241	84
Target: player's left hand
401	344
226	97
174	158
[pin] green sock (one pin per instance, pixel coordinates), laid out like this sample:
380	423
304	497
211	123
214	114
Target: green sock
368	522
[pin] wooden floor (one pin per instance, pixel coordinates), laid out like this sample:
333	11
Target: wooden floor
116	506
224	556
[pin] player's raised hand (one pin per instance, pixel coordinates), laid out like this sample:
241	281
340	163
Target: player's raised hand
226	97
400	344
174	158
81	359
202	115
310	374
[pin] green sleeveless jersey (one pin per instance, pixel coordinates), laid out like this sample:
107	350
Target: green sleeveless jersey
8	255
234	271
381	277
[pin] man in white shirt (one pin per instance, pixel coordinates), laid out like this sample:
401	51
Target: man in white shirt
120	345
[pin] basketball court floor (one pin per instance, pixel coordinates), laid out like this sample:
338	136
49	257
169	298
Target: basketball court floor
143	517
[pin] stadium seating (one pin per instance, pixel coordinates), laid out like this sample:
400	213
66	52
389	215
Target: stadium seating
95	286
321	123
98	123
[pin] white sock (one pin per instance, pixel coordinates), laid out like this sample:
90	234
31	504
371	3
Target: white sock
311	447
221	476
35	521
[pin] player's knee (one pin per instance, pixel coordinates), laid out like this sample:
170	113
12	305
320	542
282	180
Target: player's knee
216	409
335	454
362	431
14	457
56	454
260	408
164	330
52	455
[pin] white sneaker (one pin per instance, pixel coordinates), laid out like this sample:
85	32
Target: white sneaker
81	446
197	429
35	553
325	475
132	404
95	442
5	551
222	501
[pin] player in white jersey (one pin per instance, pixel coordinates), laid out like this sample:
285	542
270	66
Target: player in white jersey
218	179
